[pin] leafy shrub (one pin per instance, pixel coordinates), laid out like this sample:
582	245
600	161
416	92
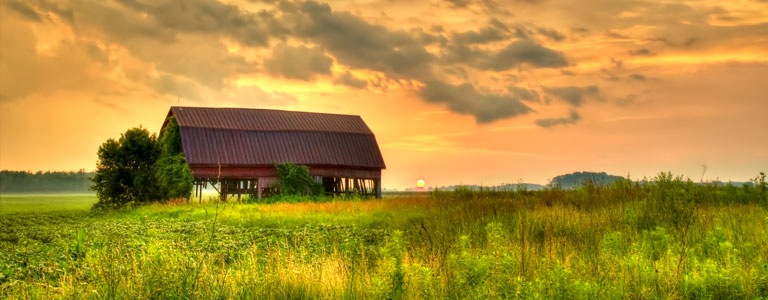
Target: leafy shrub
670	200
560	284
712	281
656	243
139	168
295	180
425	281
124	169
173	175
716	245
471	270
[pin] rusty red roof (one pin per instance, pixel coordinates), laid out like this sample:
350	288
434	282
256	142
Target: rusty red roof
259	137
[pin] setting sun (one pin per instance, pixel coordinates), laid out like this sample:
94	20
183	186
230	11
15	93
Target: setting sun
420	183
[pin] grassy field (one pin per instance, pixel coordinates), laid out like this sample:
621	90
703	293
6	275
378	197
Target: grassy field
16	203
670	239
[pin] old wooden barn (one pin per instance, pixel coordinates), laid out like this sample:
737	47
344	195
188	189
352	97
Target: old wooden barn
233	149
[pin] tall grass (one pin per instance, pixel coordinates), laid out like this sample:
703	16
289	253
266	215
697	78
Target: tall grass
664	238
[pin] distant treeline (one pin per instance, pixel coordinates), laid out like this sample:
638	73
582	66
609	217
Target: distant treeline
45	182
569	181
566	181
502	187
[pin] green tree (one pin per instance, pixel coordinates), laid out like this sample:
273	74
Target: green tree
171	170
295	180
124	169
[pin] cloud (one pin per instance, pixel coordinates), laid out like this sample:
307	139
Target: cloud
254	96
637	76
109	20
211	17
171	85
551	34
609	75
161	34
626	100
300	62
524	94
571	94
107	33
426	38
358	44
494	31
66	66
642	52
350	80
617	63
522	52
519	52
24	10
183	41
459	3
465	99
193	56
573	118
485	6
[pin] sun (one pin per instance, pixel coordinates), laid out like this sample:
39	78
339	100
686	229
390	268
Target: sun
420	183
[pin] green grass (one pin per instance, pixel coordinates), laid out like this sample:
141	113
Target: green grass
18	203
670	239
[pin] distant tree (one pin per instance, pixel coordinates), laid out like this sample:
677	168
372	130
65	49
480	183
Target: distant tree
171	170
295	180
44	182
576	179
124	171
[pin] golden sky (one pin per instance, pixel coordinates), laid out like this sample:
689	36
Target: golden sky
456	91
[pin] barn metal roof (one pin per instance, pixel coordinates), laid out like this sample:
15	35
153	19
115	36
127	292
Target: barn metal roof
259	137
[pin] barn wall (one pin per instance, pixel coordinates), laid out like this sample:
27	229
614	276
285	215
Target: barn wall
256	172
251	180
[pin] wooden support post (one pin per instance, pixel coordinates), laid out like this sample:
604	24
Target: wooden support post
258	188
346	185
239	189
223	191
197	186
336	185
377	183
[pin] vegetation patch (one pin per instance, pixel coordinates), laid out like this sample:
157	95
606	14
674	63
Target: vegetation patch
591	242
140	168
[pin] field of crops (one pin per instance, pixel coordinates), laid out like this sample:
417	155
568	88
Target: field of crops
669	239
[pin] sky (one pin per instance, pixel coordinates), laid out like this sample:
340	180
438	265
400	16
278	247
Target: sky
456	91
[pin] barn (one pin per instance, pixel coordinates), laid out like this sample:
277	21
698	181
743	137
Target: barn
234	149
